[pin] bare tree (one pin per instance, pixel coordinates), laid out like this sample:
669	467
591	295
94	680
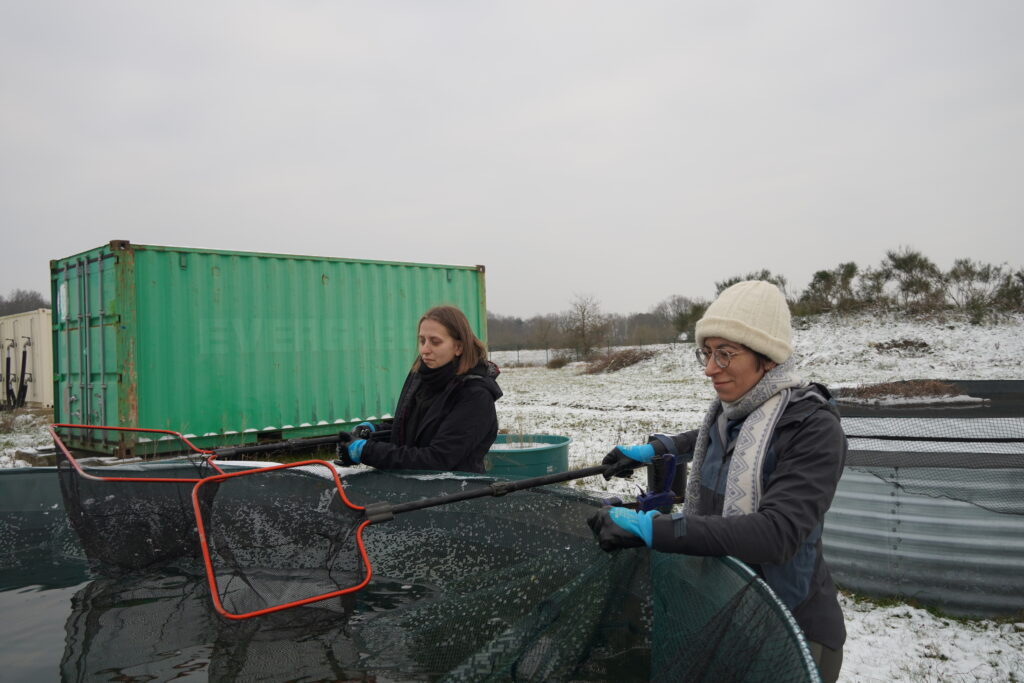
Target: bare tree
504	331
544	332
682	312
584	325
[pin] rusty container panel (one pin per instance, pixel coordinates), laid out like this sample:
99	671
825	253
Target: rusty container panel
240	346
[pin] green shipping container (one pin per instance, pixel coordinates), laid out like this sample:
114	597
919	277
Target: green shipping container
238	347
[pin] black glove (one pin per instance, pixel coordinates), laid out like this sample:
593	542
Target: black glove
610	536
341	450
617	464
622	460
363	430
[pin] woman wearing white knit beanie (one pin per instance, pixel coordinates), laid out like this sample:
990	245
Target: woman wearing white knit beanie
765	464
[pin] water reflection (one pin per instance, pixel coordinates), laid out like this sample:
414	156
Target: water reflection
501	589
161	626
43	570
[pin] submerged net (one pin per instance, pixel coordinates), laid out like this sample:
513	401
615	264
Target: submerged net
129	512
978	461
508	588
278	536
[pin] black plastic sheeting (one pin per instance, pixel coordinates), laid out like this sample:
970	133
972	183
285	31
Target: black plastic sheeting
1003	398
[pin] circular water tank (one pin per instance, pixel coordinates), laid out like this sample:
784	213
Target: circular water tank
517	456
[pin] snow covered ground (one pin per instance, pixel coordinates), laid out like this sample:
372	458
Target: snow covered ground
669	393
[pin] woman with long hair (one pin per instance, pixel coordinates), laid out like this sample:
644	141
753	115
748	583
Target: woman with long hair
445	418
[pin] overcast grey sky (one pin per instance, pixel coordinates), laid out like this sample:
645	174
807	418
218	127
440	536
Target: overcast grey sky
626	151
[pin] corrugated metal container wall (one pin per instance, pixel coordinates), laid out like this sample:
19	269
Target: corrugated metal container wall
214	342
27	336
881	540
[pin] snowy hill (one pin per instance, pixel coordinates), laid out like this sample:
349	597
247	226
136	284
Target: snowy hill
669	393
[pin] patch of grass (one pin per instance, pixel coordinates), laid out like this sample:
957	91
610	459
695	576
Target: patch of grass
901	347
912	389
612	362
932	651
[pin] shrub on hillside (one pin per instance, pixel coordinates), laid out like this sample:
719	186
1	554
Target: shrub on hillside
611	362
559	360
911	389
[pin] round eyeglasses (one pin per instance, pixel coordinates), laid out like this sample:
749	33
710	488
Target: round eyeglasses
722	357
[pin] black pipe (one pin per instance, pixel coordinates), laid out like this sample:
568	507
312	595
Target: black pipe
293	445
22	387
8	392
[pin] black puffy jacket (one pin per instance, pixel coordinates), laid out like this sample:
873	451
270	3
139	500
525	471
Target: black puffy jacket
453	435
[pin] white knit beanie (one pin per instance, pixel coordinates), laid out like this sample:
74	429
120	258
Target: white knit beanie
753	313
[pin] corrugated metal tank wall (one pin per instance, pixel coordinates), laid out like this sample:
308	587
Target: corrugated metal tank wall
214	342
880	540
28	334
929	504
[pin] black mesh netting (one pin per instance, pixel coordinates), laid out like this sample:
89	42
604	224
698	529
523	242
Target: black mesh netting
978	461
509	588
496	588
279	536
130	515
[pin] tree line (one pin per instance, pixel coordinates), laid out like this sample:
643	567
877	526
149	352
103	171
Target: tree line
905	281
22	300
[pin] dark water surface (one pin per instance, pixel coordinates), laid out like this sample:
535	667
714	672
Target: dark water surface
160	626
501	589
62	623
32	632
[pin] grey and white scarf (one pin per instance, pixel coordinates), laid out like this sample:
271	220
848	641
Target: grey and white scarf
762	407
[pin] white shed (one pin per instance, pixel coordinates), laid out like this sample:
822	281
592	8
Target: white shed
27	346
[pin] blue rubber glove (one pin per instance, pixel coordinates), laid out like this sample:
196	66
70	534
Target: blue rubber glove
617	527
355	450
643	453
363	430
622	460
349	454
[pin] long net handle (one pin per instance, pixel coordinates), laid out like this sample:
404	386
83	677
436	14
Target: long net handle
381	512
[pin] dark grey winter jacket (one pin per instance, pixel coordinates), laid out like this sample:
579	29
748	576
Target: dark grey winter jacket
781	541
